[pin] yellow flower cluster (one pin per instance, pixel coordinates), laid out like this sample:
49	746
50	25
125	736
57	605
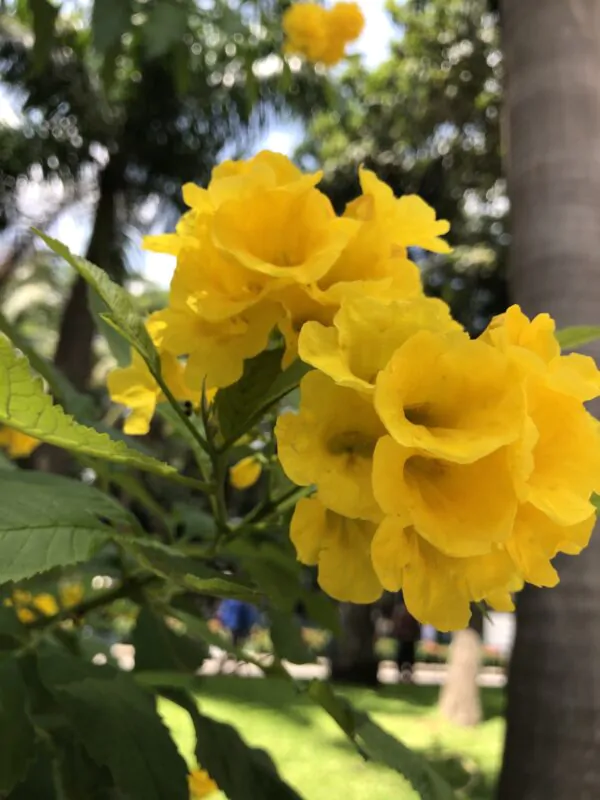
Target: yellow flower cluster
321	35
262	248
17	444
453	469
201	784
29	607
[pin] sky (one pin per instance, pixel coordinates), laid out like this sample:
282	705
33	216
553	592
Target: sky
283	137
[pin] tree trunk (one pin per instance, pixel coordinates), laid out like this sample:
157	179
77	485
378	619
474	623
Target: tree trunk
460	700
552	50
353	657
74	353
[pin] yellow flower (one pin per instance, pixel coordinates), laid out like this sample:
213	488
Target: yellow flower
321	35
450	397
347	20
70	594
536	539
436	588
46	603
340	547
286	233
245	473
216	350
365	334
409	220
25	615
461	509
534	347
201	784
17	444
330	443
566	455
229	180
135	388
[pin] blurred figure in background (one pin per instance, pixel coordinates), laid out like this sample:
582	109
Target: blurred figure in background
407	632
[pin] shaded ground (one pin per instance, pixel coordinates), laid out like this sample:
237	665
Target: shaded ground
314	757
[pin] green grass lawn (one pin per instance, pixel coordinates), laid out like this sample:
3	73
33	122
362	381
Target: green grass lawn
313	755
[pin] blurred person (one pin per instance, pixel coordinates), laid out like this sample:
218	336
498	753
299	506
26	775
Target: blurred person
407	632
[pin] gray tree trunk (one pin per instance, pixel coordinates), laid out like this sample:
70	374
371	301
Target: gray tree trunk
460	698
552	50
352	654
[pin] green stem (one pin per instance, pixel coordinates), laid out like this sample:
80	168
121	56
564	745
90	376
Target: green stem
186	421
276	506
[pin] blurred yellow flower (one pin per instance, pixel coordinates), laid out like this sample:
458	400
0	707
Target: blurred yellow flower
319	34
245	473
46	604
330	443
201	784
136	389
70	594
17	444
340	547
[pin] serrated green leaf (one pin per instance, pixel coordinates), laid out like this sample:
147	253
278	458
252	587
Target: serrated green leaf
577	335
263	384
157	647
110	20
49	521
25	406
165	27
378	745
192	574
117	344
240	771
44	20
123	314
286	635
18	737
117	723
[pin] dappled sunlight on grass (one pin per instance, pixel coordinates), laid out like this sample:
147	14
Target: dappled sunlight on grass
314	756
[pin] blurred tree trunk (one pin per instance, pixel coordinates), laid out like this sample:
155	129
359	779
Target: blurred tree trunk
552	50
74	352
353	657
460	700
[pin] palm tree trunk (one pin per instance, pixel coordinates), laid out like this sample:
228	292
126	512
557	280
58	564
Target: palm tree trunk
74	354
353	657
552	50
460	700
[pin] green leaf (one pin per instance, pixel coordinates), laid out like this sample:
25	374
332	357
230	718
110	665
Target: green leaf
157	647
240	771
49	521
44	21
117	723
25	406
577	335
118	346
18	737
110	20
286	635
122	315
165	27
376	744
192	574
263	385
